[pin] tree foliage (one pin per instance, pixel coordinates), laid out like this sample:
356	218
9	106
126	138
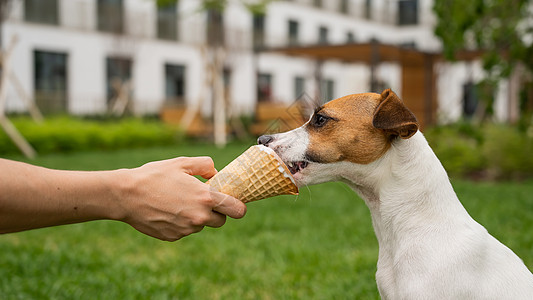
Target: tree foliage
503	29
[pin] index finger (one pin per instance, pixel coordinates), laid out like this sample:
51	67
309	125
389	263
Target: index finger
200	165
228	205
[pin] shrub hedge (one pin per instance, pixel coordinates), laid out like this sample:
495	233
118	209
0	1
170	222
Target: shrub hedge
488	151
63	134
465	150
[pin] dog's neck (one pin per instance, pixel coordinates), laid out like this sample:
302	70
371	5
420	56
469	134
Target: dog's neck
404	186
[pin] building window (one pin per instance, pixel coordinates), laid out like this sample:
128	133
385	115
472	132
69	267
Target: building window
323	35
408	45
344	6
470	99
110	16
259	31
293	32
50	81
118	73
407	12
175	84
41	11
215	27
167	22
350	38
226	79
264	87
299	87
327	90
317	3
368	9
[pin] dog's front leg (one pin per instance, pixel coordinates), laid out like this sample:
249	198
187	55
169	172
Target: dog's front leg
385	280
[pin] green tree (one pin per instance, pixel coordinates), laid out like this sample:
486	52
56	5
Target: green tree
501	29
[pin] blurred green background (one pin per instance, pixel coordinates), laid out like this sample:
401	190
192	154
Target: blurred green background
318	245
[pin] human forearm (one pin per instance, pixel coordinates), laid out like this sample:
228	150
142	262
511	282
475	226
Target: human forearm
162	199
34	197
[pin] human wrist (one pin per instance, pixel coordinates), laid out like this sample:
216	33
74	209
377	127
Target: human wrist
120	188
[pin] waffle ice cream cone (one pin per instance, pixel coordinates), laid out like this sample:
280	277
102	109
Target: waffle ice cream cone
256	174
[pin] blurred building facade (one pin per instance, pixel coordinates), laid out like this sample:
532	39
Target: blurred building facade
75	55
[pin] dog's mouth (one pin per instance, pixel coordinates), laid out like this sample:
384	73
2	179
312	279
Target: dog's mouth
296	166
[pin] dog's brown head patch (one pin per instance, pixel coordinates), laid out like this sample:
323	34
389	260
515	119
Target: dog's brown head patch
358	128
394	117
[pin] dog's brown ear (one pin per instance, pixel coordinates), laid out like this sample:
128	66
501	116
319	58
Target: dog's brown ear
394	117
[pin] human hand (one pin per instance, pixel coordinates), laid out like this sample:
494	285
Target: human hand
164	200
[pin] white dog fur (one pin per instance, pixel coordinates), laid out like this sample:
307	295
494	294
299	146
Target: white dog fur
429	246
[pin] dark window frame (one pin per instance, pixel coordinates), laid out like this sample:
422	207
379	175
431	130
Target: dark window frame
264	89
470	99
408	12
327	90
344	7
122	70
215	27
350	37
175	95
42	11
299	87
323	35
51	80
167	22
293	32
110	16
368	10
258	24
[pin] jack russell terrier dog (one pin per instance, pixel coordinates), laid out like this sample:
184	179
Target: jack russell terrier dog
429	246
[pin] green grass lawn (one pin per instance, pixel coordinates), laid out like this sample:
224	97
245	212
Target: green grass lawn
319	245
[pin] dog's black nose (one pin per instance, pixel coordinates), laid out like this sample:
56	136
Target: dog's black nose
265	140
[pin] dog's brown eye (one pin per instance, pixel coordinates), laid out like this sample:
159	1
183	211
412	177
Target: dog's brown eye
319	120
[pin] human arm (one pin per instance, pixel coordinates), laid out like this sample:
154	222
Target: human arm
162	199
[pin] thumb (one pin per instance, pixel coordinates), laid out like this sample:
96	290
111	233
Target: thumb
201	165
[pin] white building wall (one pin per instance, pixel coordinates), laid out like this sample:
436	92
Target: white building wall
85	88
149	73
356	80
243	84
451	78
191	23
283	71
87	50
391	75
311	18
240	59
